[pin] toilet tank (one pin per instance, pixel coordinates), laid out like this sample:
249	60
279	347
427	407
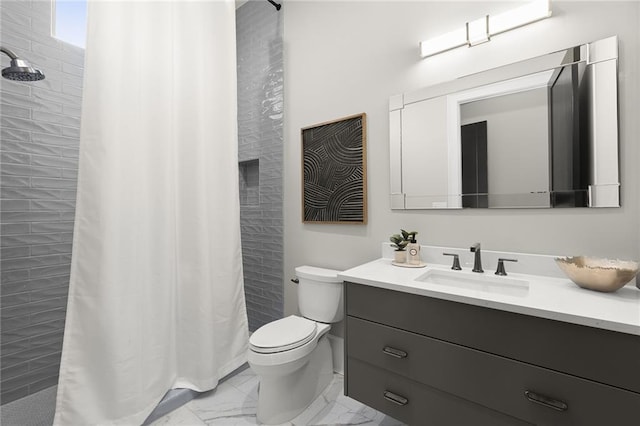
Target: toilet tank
320	294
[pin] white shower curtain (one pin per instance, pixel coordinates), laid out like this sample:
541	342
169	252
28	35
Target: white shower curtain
156	297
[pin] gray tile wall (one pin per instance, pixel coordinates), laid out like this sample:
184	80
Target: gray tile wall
260	102
38	165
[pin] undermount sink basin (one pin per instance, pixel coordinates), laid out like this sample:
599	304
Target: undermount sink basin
475	281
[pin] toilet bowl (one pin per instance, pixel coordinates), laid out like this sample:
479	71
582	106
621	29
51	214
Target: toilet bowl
292	356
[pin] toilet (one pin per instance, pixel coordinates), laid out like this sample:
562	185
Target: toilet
292	356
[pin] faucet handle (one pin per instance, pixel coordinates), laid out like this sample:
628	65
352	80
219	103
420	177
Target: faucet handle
456	261
501	270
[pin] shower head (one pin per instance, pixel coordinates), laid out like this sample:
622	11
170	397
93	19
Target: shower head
20	70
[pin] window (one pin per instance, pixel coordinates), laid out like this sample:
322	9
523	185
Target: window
70	21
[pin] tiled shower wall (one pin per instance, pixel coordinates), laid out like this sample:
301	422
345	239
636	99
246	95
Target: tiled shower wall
39	155
260	102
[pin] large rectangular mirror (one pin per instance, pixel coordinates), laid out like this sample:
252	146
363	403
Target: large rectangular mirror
541	133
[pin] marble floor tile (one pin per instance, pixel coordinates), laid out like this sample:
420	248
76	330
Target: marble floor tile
242	377
335	388
318	406
336	414
249	387
224	405
234	403
376	416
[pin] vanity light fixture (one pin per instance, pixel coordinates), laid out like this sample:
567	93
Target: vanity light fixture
448	41
480	30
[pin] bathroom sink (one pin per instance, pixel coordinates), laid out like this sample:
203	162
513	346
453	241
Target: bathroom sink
477	282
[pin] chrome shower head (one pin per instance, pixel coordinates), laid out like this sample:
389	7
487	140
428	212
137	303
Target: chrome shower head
20	70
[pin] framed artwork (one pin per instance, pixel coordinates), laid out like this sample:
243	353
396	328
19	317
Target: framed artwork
334	178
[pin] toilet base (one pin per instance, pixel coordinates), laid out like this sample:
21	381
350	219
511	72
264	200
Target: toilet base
282	397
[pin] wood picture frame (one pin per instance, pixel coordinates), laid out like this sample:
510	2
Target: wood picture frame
334	171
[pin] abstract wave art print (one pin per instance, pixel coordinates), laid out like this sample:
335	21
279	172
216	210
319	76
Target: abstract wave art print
334	184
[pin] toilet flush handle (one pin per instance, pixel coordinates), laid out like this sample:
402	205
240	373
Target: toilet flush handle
295	280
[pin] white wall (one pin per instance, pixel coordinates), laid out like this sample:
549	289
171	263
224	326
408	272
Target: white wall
343	58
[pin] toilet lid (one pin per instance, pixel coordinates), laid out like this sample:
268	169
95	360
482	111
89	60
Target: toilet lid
283	334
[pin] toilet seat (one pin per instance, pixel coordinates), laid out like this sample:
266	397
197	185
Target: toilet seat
283	335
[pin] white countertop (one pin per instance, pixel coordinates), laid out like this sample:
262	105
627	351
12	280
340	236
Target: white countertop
547	297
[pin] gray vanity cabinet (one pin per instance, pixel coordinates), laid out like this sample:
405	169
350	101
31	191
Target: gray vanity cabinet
428	361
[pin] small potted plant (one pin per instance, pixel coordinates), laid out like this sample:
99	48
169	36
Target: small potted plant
410	237
399	243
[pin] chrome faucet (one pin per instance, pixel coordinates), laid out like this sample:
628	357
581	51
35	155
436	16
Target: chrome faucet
477	260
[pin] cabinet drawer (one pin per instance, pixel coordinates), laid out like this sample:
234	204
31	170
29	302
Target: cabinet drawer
417	404
493	381
591	353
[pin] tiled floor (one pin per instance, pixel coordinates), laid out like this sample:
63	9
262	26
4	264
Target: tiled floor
234	402
34	410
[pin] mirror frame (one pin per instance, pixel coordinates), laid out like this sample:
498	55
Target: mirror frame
602	55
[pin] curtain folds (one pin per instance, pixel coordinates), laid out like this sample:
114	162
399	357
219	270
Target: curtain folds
156	297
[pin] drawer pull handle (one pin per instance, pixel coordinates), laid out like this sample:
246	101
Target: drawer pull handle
396	353
395	398
546	401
